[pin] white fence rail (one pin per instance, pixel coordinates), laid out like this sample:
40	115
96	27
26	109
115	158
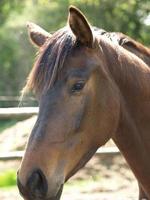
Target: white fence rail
17	155
20	112
26	112
16	98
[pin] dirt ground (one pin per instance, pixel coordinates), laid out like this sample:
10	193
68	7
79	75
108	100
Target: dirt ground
105	177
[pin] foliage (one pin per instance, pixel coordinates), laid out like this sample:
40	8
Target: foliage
16	53
8	178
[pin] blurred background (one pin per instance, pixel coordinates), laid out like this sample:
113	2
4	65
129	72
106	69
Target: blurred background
17	56
131	17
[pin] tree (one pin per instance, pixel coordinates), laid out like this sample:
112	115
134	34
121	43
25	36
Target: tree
16	53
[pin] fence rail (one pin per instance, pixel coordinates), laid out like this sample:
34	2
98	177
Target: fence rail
16	98
25	112
22	112
17	155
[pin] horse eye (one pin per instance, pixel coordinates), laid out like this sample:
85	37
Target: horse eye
77	86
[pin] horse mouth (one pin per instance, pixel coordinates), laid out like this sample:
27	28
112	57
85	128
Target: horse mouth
57	197
32	197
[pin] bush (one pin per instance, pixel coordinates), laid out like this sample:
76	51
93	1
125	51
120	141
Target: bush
16	53
8	178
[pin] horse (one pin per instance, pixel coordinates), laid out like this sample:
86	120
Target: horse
90	90
128	43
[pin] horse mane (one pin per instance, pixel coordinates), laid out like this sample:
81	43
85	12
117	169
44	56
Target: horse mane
51	57
128	70
49	61
123	40
126	40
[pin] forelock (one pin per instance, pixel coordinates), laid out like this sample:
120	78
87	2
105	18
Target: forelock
50	61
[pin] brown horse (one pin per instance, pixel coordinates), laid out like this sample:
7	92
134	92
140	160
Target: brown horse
127	43
90	89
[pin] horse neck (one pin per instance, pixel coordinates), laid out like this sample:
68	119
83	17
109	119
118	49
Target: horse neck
132	78
139	50
131	74
130	141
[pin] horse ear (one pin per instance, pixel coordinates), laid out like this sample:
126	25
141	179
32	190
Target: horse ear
37	35
80	26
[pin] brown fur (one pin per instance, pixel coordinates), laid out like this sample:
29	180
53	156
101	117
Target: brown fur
47	65
38	76
88	94
127	42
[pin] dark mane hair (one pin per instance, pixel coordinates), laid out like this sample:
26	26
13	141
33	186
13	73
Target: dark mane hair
51	56
50	61
126	40
122	39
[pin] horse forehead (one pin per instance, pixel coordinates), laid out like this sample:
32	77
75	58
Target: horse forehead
80	58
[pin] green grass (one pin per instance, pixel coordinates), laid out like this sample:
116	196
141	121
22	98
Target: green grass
7	123
8	178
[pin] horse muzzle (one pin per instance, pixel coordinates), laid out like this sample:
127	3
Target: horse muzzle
36	188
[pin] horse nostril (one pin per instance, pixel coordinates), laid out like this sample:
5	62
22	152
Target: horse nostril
21	188
37	184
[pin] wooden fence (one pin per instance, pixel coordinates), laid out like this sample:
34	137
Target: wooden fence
17	155
15	98
26	112
19	113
